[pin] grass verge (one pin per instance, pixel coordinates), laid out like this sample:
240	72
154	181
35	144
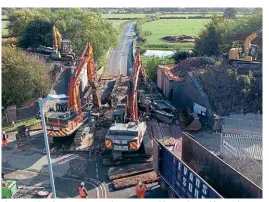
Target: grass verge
30	122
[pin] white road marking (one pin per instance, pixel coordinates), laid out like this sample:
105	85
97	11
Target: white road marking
102	186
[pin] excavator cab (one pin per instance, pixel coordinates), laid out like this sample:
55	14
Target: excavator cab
253	51
66	46
66	51
250	51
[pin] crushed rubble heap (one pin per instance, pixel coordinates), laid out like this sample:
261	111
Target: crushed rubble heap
178	39
193	64
227	91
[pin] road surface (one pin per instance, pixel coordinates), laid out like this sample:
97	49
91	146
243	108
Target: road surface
117	63
29	167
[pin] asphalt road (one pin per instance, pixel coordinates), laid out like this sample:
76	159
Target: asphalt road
29	167
117	63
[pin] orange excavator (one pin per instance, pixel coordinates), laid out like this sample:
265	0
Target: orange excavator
69	116
127	133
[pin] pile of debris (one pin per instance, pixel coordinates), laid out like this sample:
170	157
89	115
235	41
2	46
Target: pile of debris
227	91
195	65
119	93
178	39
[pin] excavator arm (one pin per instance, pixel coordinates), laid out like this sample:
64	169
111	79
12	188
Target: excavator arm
132	109
57	38
92	78
74	96
249	39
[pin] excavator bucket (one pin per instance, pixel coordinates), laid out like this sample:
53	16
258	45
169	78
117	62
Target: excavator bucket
194	125
189	121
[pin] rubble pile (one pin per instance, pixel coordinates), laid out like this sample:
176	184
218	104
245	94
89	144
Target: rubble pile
120	91
227	91
231	93
195	64
178	39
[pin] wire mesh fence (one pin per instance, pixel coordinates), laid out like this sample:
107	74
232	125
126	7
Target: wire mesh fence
244	153
249	124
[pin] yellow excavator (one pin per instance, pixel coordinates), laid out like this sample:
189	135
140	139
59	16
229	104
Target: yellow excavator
62	49
249	56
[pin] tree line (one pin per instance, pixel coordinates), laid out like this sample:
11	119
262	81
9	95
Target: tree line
24	78
33	28
221	32
171	10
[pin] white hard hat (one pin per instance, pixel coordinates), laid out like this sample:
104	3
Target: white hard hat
140	183
82	183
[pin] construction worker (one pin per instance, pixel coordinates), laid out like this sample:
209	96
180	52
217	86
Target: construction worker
141	190
82	191
4	139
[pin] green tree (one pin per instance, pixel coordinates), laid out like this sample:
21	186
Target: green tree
229	30
37	33
152	63
24	78
230	13
4	12
20	18
79	25
208	43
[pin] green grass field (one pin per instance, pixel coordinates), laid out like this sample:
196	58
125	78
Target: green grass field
187	15
173	27
117	23
30	122
135	15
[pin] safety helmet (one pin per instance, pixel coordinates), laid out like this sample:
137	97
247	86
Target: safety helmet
82	183
140	183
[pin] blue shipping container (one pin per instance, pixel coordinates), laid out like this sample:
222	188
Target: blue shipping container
180	177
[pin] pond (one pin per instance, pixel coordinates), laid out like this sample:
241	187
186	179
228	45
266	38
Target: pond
158	53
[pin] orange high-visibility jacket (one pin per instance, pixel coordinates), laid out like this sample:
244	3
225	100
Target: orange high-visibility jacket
81	192
4	139
141	190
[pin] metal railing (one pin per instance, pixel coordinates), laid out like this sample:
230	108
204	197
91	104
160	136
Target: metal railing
249	146
244	125
243	153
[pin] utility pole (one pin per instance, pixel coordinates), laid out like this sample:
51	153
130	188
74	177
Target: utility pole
40	101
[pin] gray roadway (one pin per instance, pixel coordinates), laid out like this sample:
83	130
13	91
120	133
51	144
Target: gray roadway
117	63
29	167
